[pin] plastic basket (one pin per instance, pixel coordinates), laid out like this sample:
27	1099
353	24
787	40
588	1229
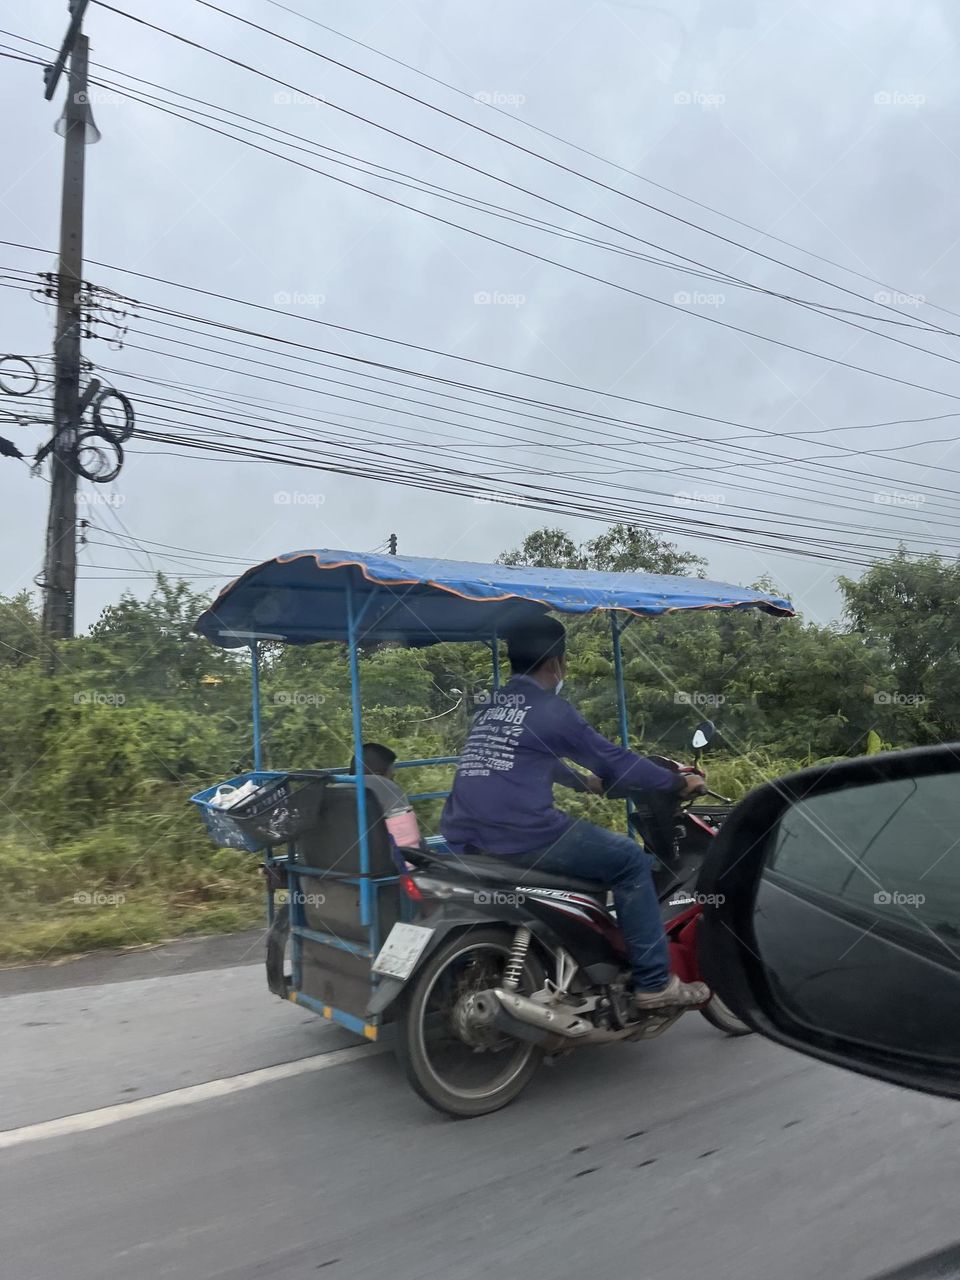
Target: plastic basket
284	807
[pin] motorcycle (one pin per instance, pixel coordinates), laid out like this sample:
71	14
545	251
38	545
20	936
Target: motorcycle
679	839
505	966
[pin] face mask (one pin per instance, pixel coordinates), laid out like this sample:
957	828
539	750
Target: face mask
558	686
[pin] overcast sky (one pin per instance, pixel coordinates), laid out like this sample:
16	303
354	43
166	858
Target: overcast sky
833	127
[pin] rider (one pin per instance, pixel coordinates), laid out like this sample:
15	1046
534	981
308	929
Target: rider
502	802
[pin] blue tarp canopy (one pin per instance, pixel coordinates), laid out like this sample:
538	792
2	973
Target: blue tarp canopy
303	597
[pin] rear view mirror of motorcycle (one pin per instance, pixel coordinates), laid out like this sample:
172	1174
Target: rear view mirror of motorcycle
703	734
832	923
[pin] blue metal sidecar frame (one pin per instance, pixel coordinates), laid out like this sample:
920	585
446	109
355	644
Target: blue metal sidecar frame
309	596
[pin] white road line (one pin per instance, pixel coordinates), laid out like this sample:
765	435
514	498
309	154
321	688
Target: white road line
193	1093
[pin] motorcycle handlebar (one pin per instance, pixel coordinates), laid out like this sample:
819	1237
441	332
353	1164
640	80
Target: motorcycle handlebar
614	792
715	795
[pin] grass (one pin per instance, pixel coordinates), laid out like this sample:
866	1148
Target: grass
66	928
144	873
140	875
737	775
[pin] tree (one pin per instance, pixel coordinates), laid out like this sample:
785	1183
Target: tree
147	646
908	609
546	549
623	548
20	633
629	548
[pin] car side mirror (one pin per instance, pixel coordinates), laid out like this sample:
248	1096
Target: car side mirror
833	916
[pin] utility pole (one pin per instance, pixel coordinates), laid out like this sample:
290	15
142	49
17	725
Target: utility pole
60	565
393	544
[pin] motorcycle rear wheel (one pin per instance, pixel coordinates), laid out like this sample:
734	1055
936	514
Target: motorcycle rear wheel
724	1019
453	1076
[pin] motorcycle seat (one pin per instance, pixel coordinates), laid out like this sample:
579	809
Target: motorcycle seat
490	870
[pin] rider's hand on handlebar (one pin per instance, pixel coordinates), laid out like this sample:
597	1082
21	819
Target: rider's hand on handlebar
694	785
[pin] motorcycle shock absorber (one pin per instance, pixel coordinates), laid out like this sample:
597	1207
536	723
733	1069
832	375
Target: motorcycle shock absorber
518	953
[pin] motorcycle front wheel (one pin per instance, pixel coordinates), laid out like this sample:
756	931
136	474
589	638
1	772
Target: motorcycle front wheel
457	1076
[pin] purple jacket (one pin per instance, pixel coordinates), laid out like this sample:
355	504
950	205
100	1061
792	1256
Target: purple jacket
502	797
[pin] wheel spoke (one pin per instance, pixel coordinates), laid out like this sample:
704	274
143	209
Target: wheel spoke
493	1060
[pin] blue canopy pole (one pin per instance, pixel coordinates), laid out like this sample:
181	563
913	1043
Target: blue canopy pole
618	675
495	651
255	697
353	623
615	630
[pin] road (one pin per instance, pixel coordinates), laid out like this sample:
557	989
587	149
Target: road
691	1156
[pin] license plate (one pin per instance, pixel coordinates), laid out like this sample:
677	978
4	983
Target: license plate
401	951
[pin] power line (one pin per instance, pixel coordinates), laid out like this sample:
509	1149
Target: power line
424	186
145	563
715	275
430	106
192	552
630	173
453	479
489	391
776	458
720	444
567	142
523	489
515	186
835	552
923	350
511	443
818	308
218	324
779	460
433	351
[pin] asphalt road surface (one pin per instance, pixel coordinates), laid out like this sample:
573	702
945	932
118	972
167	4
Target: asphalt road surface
303	1152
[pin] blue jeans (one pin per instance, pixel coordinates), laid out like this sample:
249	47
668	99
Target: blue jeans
588	852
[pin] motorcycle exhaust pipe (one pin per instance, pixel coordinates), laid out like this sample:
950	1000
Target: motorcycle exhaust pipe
556	1021
488	1012
525	1019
